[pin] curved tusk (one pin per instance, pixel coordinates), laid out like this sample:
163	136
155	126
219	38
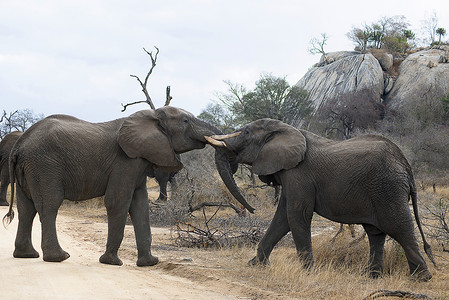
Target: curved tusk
214	142
225	136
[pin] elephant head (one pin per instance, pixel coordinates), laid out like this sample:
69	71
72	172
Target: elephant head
174	131
266	144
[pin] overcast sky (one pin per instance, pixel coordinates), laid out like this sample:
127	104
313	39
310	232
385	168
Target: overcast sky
75	57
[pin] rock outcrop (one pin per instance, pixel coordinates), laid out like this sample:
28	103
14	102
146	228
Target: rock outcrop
339	73
422	75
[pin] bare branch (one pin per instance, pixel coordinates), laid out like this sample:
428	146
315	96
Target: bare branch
168	97
153	63
144	83
317	45
219	204
137	102
400	294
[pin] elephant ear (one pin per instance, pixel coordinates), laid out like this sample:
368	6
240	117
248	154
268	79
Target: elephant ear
141	136
284	149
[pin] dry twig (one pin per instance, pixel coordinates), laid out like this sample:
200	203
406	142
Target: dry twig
437	222
192	236
399	294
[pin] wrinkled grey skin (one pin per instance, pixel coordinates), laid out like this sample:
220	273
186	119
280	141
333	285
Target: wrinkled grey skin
62	157
5	148
365	180
163	178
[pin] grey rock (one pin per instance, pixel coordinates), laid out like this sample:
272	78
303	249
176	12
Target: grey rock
344	72
422	76
386	62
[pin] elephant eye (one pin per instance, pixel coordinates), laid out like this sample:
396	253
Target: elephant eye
246	131
186	121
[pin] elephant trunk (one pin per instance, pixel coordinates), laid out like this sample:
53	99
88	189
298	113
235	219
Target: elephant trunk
224	167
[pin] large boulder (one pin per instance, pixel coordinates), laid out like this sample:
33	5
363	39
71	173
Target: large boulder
340	73
423	75
386	62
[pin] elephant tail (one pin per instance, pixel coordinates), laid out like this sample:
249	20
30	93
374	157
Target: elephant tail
427	247
7	219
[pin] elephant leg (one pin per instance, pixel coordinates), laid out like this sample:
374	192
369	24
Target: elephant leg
162	178
48	211
405	236
279	227
140	216
117	210
4	187
376	250
162	192
26	210
299	216
300	225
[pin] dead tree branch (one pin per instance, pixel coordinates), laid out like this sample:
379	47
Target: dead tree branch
219	204
145	82
192	236
167	96
399	294
436	221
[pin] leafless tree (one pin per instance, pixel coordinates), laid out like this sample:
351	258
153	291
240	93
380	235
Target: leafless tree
349	112
429	27
18	120
317	45
144	83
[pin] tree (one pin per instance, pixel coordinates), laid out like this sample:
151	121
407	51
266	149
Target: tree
218	116
360	37
144	84
349	112
390	33
422	127
317	45
18	120
441	32
272	98
429	27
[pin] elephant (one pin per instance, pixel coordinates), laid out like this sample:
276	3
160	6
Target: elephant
63	157
364	180
5	148
163	178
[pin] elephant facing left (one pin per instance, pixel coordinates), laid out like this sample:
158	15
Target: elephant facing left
62	157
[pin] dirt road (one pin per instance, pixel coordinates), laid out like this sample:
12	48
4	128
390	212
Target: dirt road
83	277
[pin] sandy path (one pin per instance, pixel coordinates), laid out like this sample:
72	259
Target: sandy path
82	277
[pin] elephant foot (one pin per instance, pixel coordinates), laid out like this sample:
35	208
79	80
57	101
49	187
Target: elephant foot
161	199
110	259
25	253
4	203
56	256
374	274
147	260
258	262
422	275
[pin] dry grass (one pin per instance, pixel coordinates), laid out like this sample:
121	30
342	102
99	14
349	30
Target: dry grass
338	272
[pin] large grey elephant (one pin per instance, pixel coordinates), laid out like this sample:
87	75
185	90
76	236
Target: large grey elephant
365	180
62	157
5	148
